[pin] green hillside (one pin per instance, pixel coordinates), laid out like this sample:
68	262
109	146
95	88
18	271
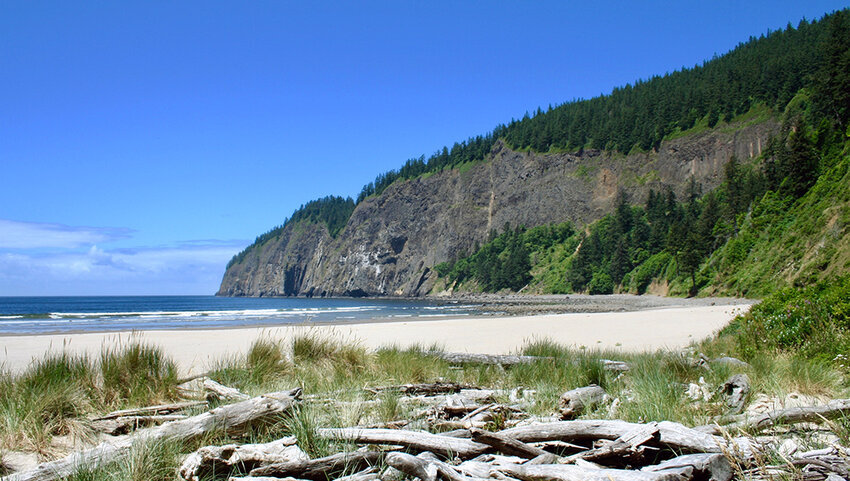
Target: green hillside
782	220
761	229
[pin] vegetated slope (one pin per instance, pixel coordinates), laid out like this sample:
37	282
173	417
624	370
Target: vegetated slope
756	232
406	222
783	220
392	241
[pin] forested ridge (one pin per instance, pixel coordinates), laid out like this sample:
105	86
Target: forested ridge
737	239
799	72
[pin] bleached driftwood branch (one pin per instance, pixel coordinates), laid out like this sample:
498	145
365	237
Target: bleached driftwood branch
233	419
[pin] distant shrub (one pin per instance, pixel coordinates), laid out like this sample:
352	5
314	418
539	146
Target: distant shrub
813	321
601	283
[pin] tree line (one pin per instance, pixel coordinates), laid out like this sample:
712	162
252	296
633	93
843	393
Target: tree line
805	69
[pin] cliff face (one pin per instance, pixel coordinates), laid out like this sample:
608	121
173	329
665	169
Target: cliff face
391	241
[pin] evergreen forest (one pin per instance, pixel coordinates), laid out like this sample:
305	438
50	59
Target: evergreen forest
703	242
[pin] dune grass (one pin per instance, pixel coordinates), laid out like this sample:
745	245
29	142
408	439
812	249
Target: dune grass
56	395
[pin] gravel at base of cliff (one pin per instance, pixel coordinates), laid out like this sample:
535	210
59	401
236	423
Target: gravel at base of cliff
519	305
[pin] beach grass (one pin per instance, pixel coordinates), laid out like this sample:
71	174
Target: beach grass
57	395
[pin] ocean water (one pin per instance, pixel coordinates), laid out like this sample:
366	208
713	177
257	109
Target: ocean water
44	315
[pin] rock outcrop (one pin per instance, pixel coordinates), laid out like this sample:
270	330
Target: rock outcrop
392	241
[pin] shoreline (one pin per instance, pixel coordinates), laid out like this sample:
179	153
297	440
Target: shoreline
196	350
490	305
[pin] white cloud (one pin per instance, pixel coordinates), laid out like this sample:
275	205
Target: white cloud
189	269
39	235
54	259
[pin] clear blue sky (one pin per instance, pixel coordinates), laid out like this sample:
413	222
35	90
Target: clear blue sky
142	144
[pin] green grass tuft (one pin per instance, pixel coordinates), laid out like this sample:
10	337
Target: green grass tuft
137	374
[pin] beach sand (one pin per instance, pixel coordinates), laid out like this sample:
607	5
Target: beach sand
196	350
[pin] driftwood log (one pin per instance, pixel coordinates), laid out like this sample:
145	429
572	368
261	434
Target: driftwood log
671	435
151	410
416	440
222	460
511	360
735	391
630	445
810	414
507	445
568	472
126	424
321	469
426	389
573	403
710	466
218	391
425	466
232	419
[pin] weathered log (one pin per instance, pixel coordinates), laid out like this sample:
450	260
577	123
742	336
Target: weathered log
735	391
321	469
831	410
413	466
260	478
425	466
151	410
125	424
416	440
672	435
368	474
233	419
221	460
568	472
217	390
511	360
507	445
477	410
428	389
628	445
470	358
709	466
573	403
835	467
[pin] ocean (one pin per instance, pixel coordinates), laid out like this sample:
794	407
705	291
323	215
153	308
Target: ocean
49	315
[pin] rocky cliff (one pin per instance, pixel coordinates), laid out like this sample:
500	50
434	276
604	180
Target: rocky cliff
391	241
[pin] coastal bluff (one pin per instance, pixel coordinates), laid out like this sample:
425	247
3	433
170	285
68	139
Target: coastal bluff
391	241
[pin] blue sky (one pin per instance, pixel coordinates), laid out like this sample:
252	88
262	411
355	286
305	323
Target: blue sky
142	144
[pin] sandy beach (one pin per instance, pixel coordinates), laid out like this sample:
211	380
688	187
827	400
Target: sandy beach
196	350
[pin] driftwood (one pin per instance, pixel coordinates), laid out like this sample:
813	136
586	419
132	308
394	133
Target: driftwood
125	424
755	423
151	410
259	478
424	466
567	472
415	440
628	445
469	358
713	467
368	474
427	389
735	391
320	469
220	391
507	445
233	419
671	435
575	402
511	360
221	460
413	466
